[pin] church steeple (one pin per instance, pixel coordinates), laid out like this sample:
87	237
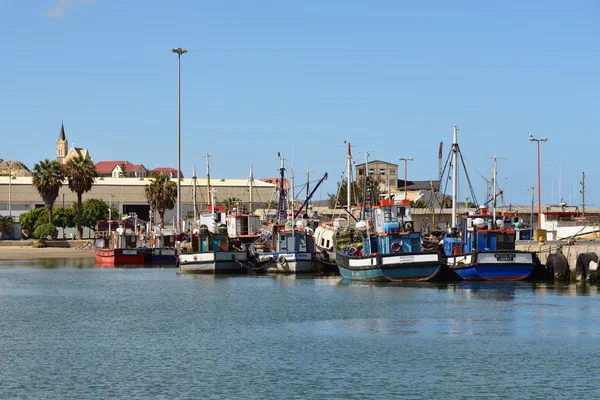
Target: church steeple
61	135
62	145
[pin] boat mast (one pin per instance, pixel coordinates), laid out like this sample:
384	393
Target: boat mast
454	176
208	181
348	180
9	186
292	205
251	184
281	205
194	195
367	154
308	171
494	173
582	194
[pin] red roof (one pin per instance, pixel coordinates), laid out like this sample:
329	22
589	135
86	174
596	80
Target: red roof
106	167
167	170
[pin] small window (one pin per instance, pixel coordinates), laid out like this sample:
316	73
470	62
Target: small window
371	171
392	171
381	171
361	171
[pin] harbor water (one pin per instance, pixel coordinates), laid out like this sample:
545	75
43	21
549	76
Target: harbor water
69	330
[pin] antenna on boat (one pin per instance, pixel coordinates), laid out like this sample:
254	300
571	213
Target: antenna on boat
251	183
440	160
582	194
495	187
194	196
308	171
348	179
208	181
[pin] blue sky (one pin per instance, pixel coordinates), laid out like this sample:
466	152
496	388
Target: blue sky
302	77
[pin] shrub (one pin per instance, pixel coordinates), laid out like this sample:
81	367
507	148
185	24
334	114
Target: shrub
45	230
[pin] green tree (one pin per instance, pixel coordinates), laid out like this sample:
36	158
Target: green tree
470	204
161	194
447	203
419	204
45	230
94	210
48	177
356	192
6	224
81	173
65	217
270	205
232	202
30	220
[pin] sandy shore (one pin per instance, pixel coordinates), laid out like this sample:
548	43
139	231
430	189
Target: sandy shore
31	253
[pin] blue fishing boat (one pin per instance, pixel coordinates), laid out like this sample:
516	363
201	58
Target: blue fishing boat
482	248
390	249
482	245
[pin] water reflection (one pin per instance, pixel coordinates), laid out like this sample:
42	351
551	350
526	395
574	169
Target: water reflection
50	263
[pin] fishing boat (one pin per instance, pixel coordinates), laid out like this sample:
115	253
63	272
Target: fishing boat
390	250
482	246
291	245
208	249
127	242
116	244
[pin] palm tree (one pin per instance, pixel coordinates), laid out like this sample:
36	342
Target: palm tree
48	177
161	193
81	173
232	202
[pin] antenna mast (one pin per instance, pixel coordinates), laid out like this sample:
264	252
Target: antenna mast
582	194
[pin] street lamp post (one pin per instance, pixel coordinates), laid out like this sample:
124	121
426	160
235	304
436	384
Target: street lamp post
532	139
179	51
406	160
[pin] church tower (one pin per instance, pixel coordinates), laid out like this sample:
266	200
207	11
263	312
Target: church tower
62	145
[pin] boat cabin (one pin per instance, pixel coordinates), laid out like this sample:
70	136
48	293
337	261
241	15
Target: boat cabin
482	230
392	229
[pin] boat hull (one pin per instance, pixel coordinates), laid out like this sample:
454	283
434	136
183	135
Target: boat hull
405	267
214	262
117	257
493	265
161	256
297	262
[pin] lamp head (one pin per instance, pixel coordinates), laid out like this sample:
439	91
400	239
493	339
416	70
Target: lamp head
531	139
544	139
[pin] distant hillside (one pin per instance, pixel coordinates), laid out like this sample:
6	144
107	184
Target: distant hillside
17	168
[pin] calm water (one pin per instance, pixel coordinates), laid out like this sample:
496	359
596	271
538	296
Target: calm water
71	331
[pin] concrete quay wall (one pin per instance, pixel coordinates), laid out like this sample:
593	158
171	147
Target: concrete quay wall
569	251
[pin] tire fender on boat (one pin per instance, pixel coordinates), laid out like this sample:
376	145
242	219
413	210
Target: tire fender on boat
282	260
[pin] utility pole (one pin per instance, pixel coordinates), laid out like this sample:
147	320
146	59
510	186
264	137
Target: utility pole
9	185
179	51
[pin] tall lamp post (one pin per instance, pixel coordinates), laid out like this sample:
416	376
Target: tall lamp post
179	51
406	160
532	139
